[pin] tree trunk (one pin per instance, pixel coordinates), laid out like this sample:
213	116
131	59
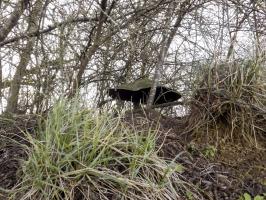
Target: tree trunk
166	42
89	50
12	21
12	102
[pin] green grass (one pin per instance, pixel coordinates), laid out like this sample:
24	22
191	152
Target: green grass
81	153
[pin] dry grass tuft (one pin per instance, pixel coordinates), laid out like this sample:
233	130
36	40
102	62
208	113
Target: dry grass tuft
232	96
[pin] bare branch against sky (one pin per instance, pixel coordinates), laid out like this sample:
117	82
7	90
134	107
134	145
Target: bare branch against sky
50	49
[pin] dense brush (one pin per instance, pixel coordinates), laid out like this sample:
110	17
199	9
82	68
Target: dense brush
82	154
232	95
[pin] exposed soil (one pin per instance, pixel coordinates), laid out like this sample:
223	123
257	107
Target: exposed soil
221	168
11	150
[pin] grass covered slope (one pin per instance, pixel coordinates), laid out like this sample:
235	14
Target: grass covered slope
217	151
83	154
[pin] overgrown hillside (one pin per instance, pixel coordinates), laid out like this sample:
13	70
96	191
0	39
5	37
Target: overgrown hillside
132	100
216	151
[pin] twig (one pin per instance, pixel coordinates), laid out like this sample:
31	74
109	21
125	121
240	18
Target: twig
175	103
49	29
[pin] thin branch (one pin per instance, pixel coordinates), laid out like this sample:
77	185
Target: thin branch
12	21
163	105
49	29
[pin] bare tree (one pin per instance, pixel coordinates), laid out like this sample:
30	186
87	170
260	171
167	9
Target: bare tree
8	23
167	39
64	48
24	59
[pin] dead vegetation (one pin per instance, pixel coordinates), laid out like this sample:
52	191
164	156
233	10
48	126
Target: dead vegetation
221	142
12	139
224	132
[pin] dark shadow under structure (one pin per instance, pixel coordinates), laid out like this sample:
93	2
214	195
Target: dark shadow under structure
138	93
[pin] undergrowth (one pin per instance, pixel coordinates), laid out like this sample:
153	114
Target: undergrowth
232	96
84	154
